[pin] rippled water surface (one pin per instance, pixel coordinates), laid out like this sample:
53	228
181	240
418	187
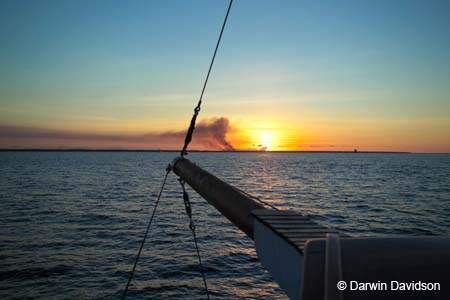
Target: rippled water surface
71	222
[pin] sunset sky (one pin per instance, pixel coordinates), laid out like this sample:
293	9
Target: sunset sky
289	75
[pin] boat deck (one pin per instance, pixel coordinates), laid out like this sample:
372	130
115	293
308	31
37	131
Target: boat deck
293	227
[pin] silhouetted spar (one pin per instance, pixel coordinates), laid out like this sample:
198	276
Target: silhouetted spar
280	235
233	204
309	261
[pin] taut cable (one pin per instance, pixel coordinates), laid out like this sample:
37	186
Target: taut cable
191	128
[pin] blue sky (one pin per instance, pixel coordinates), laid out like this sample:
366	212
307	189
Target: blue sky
306	66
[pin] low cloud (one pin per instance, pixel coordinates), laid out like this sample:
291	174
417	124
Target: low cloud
210	134
260	147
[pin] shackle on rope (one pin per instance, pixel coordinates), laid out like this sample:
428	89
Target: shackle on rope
197	108
187	205
190	131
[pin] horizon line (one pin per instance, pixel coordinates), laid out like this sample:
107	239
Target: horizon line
225	151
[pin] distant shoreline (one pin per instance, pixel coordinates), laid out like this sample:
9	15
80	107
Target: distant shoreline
193	151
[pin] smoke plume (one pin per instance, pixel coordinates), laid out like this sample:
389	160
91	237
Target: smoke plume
210	134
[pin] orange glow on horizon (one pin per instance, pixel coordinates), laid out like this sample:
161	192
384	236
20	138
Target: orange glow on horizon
267	135
218	134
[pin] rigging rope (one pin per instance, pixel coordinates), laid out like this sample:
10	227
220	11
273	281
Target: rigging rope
191	128
146	233
187	205
188	139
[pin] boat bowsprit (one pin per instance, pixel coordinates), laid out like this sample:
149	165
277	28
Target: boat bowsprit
310	261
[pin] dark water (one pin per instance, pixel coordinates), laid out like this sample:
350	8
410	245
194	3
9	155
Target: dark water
71	222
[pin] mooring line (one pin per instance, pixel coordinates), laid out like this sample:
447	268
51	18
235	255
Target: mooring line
130	277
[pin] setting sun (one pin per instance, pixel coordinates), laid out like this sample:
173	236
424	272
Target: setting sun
266	135
266	141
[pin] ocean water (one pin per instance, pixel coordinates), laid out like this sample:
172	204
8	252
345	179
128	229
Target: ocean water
72	222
